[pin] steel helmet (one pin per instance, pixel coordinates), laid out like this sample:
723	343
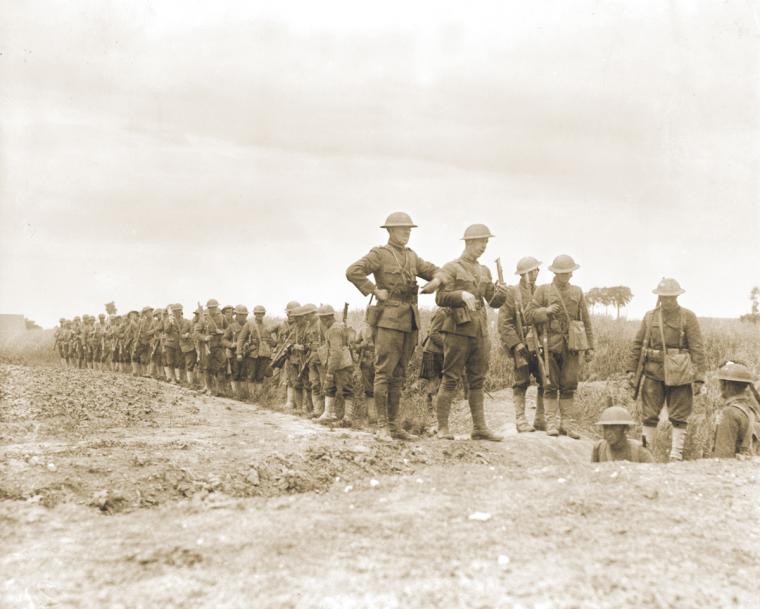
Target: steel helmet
101	315
227	308
213	303
309	308
477	231
62	319
292	305
325	311
564	264
733	371
260	310
399	218
176	307
615	415
241	309
298	311
668	287
147	309
526	265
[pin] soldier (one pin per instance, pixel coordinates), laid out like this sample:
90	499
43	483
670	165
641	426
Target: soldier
560	309
235	355
213	327
201	347
59	344
364	346
228	311
521	343
112	362
298	358
668	330
130	340
88	332
737	425
99	354
338	364
615	422
156	332
431	370
466	288
187	345
315	338
395	318
282	332
172	329
254	350
141	343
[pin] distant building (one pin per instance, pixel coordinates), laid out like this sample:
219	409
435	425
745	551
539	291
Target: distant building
11	325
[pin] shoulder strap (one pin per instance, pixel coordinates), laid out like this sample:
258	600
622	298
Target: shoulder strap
662	332
681	344
562	302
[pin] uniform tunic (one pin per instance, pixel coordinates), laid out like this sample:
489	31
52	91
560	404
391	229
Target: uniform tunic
255	342
681	330
737	428
510	322
633	451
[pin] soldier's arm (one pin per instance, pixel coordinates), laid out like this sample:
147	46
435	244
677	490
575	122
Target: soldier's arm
695	344
227	337
726	434
506	323
638	345
243	338
335	344
536	312
358	272
445	296
426	270
586	319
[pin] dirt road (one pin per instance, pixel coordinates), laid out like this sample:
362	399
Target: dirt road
120	492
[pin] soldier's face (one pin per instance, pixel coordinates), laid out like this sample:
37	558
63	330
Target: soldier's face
669	302
400	234
241	317
532	276
615	434
259	316
563	278
177	314
476	247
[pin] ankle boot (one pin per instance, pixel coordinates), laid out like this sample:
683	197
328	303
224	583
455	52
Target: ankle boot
677	441
298	400
178	375
552	416
371	410
394	424
567	422
479	429
289	403
328	415
318	402
442	409
349	414
539	421
521	423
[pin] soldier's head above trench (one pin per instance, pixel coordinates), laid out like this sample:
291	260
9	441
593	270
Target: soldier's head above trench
563	267
399	226
734	377
615	422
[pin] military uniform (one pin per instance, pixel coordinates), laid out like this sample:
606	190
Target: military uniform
156	333
283	333
339	368
632	451
737	428
466	344
298	367
214	325
364	347
564	362
255	343
315	339
514	330
395	320
175	331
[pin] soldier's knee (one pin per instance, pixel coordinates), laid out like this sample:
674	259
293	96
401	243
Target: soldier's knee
650	422
677	423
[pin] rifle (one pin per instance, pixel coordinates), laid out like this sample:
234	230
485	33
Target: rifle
345	312
642	359
545	341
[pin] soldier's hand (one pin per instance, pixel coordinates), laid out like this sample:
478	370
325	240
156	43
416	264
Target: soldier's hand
469	300
431	286
520	348
500	286
298	347
631	375
589	355
553	308
381	294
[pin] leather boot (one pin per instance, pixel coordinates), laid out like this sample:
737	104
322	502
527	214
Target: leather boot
442	408
328	415
349	414
677	441
539	421
371	410
396	431
567	422
647	436
319	404
257	389
168	374
289	404
552	416
190	379
521	423
480	430
298	400
381	408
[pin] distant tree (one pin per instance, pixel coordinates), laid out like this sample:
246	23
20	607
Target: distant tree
111	308
621	296
617	296
30	325
754	315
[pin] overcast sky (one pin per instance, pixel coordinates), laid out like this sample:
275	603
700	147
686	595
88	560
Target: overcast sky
155	152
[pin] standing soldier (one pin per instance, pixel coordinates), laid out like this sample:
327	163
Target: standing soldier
188	353
668	333
364	347
200	348
520	341
99	342
395	319
298	358
58	341
338	366
88	340
172	329
282	333
130	340
213	326
466	288
254	351
111	357
156	344
431	369
560	309
737	426
315	338
141	344
233	354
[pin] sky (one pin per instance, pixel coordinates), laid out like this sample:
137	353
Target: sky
158	152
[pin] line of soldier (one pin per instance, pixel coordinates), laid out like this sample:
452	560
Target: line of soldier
546	331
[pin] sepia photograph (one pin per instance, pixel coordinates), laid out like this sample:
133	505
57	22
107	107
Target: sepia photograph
380	305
